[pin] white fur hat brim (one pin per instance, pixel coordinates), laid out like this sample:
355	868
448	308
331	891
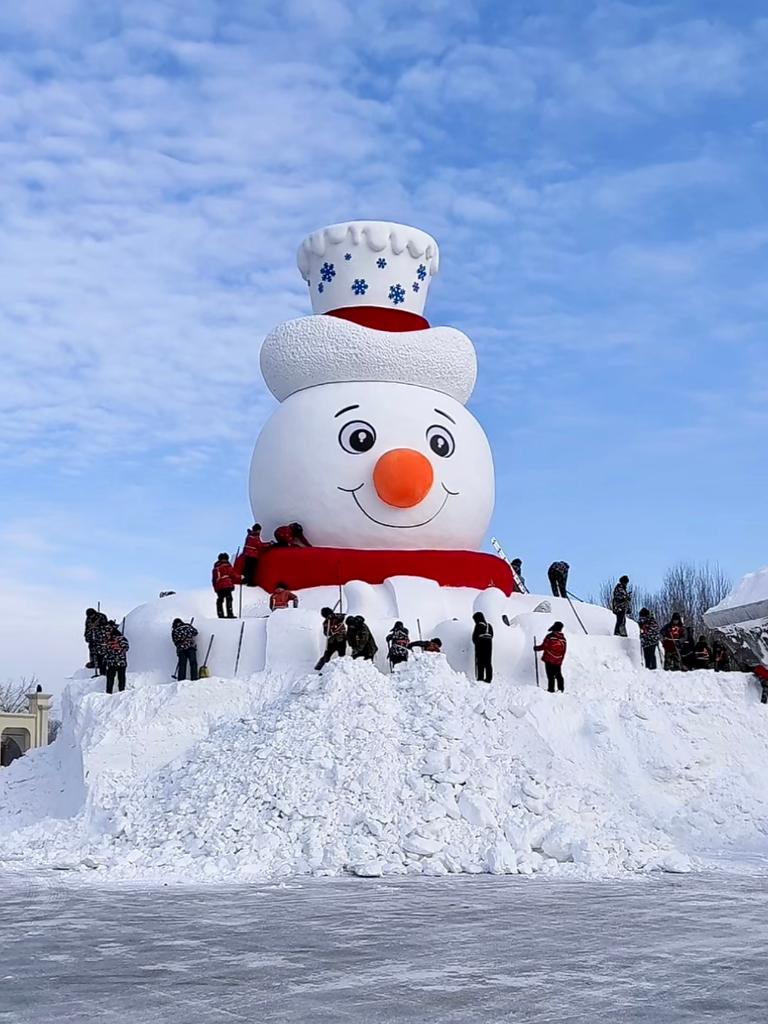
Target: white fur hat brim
315	350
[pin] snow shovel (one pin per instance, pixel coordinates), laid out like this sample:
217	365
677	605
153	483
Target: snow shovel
573	609
202	672
239	648
535	661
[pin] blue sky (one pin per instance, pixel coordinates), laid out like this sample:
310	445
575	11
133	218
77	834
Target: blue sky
595	174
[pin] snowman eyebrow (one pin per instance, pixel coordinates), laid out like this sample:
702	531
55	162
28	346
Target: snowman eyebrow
348	408
440	411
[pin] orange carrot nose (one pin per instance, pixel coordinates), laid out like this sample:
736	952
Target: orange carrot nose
403	477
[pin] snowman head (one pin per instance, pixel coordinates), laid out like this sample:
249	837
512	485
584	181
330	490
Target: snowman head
371	446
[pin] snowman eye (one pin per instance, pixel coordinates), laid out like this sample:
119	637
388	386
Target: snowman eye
440	440
357	437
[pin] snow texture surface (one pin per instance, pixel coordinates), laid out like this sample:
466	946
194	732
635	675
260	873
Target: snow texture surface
422	772
314	350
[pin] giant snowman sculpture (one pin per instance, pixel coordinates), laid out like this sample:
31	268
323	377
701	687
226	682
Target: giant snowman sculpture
372	448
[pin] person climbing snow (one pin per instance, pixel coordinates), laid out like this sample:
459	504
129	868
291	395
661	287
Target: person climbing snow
672	638
650	635
281	597
115	657
433	646
558	578
361	639
335	633
482	638
397	644
291	536
224	580
184	636
621	602
253	549
554	647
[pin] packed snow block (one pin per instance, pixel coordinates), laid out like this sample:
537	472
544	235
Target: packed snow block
371	602
148	629
456	638
294	640
301	568
747	601
418	602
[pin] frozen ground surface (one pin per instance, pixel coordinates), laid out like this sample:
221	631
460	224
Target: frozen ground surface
461	950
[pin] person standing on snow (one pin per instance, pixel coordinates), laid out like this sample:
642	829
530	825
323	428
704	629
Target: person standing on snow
224	580
291	536
397	644
649	637
184	636
482	638
89	635
720	657
101	634
558	578
620	605
281	597
361	639
115	657
517	568
554	647
335	633
672	638
252	551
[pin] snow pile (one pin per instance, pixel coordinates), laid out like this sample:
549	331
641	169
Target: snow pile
423	771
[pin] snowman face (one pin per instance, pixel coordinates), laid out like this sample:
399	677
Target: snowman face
369	465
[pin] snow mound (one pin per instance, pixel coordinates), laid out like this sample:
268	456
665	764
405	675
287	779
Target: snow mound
748	601
420	772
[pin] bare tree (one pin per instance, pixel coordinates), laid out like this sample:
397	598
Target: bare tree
687	588
54	728
13	694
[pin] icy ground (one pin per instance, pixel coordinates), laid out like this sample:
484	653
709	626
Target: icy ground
422	772
659	950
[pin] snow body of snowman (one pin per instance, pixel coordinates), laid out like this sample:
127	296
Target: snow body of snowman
372	448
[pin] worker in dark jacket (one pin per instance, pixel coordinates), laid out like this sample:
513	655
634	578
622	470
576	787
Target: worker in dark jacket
184	636
335	633
482	638
253	549
397	644
554	647
224	579
649	637
558	578
673	637
720	657
701	656
761	672
621	603
361	639
89	635
115	657
102	631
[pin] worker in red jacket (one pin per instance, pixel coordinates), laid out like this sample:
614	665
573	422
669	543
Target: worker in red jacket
291	536
762	675
554	648
281	597
224	580
252	551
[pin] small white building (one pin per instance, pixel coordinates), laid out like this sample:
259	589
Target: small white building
21	731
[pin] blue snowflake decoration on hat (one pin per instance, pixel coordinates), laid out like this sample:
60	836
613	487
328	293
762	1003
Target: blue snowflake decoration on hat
321	287
359	286
327	272
347	256
415	286
421	273
397	294
381	263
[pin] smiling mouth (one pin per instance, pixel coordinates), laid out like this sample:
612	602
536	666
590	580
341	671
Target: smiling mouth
392	526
